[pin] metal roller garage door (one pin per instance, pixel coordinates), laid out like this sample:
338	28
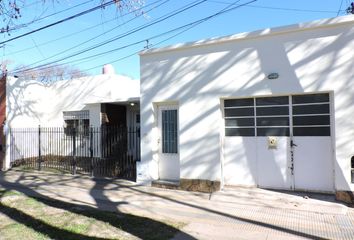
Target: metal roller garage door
282	142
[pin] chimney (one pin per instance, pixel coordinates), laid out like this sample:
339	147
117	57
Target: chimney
108	69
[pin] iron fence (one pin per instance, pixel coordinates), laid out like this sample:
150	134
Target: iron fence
107	151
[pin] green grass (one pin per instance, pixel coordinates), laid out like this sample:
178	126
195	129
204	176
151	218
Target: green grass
5	193
23	217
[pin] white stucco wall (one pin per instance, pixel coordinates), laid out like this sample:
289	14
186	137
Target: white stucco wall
310	57
30	103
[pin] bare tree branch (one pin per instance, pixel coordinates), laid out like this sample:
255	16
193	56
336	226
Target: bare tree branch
11	11
51	74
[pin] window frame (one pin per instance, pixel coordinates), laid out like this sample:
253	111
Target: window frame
166	148
263	106
79	120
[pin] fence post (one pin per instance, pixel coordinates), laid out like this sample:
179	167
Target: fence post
91	150
74	151
39	148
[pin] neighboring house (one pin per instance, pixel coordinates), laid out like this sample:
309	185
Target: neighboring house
31	103
272	108
102	100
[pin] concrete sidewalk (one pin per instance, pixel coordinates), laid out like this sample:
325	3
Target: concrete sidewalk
234	213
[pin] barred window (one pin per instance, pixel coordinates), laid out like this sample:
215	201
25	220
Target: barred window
77	122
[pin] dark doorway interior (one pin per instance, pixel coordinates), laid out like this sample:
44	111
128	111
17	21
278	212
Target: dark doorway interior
114	115
114	138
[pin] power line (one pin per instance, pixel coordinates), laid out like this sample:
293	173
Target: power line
99	35
83	30
159	35
340	7
31	4
192	25
279	8
47	16
183	29
163	18
60	21
188	26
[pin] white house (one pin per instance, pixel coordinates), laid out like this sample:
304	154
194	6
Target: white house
32	103
272	108
107	99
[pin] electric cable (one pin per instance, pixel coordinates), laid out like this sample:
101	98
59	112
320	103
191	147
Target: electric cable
60	21
163	18
189	25
83	30
44	17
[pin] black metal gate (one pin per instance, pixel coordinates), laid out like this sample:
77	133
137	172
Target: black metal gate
107	151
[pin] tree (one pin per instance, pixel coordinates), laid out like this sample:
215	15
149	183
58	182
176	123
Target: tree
50	74
350	9
11	10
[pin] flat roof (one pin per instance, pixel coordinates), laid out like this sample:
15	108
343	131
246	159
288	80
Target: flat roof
120	101
322	23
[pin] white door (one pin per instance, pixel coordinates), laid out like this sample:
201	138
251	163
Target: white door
248	158
290	136
273	134
312	143
169	167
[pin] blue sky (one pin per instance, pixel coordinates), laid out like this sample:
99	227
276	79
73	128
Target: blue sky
97	28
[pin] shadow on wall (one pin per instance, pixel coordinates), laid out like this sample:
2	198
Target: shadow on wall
306	62
30	103
38	103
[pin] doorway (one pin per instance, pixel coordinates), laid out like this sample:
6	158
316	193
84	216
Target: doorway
290	136
168	149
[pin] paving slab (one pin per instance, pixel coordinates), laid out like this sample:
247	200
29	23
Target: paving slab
233	213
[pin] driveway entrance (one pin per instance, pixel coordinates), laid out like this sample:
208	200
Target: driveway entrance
286	140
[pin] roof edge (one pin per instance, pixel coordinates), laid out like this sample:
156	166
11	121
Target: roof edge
322	23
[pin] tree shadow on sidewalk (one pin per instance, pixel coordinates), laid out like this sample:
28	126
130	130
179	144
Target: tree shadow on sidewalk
97	192
141	227
233	217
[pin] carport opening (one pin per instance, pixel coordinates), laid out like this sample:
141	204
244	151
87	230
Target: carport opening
352	165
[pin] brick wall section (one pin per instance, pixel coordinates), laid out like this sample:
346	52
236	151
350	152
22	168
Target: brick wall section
2	118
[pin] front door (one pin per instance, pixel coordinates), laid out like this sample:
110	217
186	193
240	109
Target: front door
169	167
